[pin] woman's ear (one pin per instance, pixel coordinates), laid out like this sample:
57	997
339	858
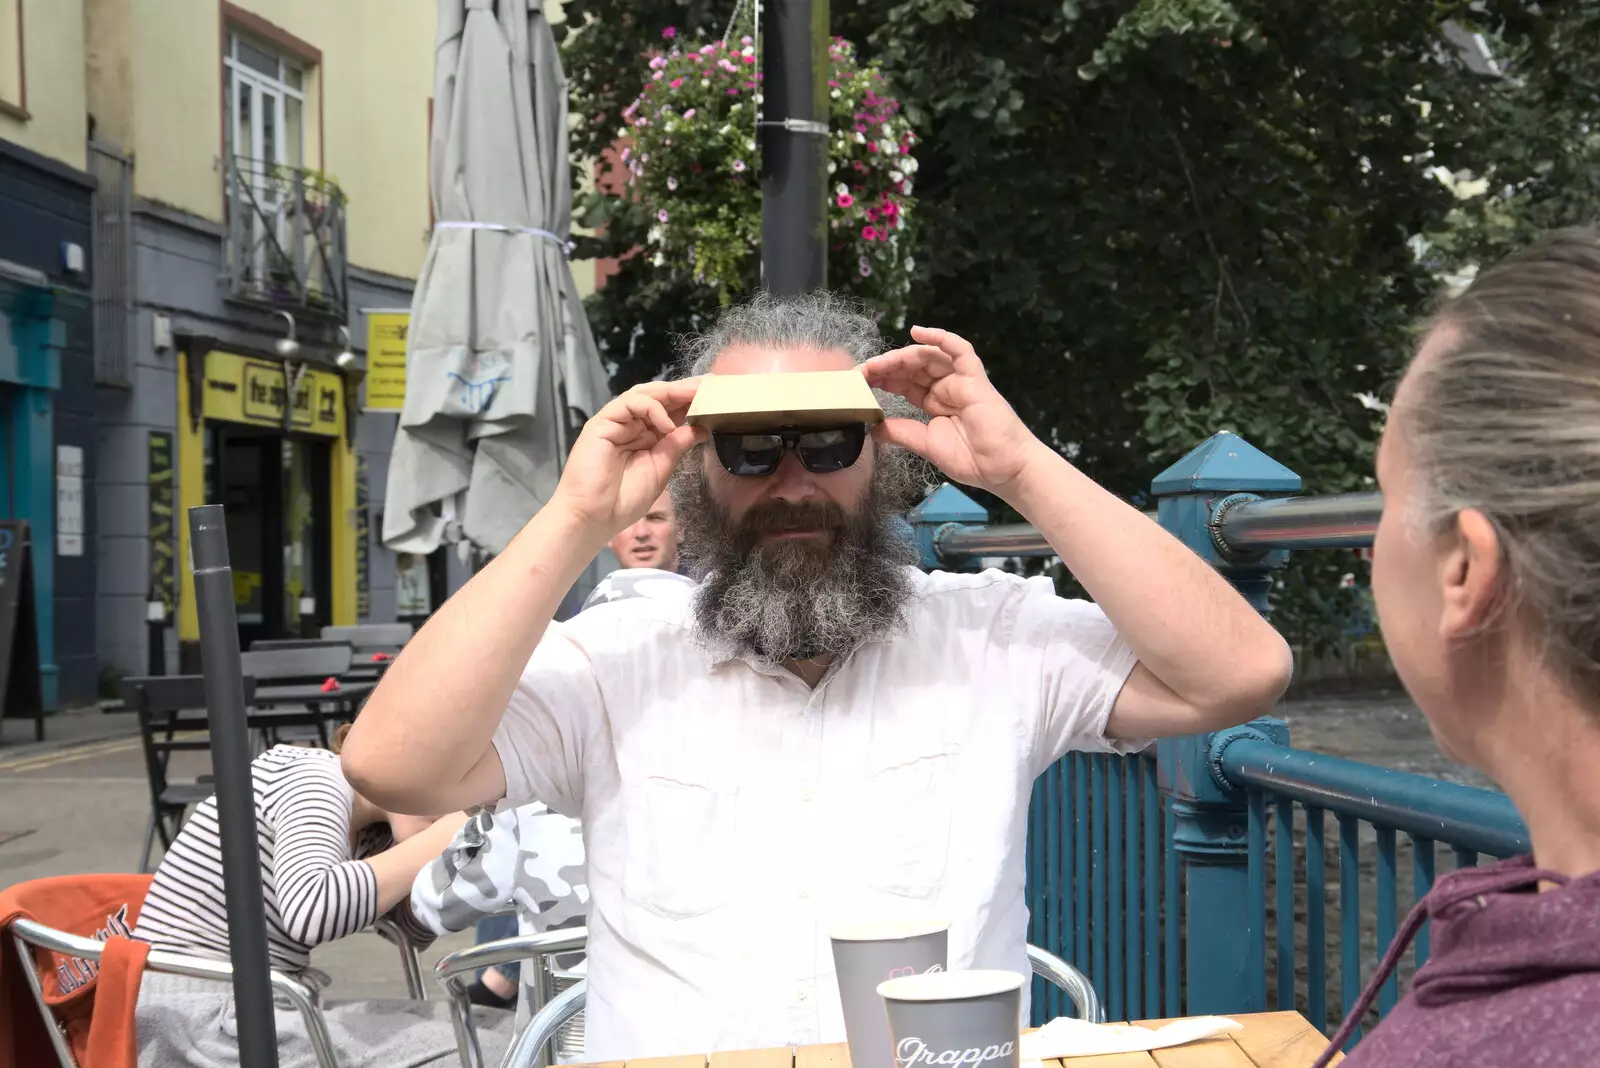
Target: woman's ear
1472	575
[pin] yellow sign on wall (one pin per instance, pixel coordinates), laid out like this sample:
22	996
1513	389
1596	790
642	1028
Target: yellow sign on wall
243	390
386	360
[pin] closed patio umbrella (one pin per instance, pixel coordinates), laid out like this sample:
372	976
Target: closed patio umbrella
501	366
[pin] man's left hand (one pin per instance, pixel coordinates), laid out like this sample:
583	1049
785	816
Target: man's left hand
973	435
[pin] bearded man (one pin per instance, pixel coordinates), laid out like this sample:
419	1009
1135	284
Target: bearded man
824	732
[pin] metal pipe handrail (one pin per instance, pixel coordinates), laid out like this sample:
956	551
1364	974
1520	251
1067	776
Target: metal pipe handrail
1463	816
1335	521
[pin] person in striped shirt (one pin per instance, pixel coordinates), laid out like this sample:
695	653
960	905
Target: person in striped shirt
332	862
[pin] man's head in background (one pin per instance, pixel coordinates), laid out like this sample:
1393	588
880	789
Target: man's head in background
652	541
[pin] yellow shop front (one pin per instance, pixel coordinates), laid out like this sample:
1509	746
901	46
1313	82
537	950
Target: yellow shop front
270	441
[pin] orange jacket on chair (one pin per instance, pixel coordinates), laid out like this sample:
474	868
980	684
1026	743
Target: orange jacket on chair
94	1002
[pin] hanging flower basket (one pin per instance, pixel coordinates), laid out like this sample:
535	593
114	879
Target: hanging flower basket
692	162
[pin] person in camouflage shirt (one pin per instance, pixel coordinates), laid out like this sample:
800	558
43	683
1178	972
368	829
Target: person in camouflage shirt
524	855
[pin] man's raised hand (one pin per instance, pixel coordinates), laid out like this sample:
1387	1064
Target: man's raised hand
621	462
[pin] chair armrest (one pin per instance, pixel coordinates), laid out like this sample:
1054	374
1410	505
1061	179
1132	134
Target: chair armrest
509	951
162	961
1069	981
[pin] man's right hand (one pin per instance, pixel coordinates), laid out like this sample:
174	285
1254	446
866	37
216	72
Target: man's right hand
621	462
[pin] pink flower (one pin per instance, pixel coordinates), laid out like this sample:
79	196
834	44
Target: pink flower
872	146
872	214
689	114
868	233
661	216
858	165
749	59
738	165
708	49
657	76
734	91
890	208
846	200
861	128
676	83
670	32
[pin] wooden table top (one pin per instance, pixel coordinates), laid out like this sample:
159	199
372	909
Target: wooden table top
1267	1040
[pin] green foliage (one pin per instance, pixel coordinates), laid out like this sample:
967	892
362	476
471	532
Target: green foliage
1160	218
692	164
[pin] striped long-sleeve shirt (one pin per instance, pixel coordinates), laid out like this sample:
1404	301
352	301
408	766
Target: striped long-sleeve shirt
315	883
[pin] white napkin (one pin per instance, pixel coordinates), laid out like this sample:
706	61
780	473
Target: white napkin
1075	1038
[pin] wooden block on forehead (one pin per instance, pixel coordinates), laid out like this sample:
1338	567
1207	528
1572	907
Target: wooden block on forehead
754	1058
834	1056
1281	1040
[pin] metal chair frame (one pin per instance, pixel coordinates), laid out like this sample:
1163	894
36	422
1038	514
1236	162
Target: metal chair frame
29	935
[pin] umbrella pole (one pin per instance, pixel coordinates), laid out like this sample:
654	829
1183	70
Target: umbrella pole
236	806
794	149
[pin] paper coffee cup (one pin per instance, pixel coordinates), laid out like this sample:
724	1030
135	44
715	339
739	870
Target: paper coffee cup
866	955
955	1019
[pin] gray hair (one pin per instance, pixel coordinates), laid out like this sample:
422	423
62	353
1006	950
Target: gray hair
1507	422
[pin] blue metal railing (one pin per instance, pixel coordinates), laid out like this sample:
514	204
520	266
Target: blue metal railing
1157	874
1428	812
1099	821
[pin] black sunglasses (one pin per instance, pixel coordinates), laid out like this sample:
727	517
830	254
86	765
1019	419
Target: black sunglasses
821	451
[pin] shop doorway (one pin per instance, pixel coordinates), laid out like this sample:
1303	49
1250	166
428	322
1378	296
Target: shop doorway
275	492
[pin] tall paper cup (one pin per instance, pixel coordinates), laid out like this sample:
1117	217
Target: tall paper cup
867	954
955	1019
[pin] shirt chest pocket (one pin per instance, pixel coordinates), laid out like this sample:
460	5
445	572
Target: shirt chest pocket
908	805
680	846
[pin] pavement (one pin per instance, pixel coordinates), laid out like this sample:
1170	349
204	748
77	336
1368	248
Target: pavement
78	801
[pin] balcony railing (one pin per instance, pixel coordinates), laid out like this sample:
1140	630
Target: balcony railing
286	237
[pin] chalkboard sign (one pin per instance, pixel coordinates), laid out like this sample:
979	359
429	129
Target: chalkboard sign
19	637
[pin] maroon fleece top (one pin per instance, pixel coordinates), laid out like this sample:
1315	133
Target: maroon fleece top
1514	977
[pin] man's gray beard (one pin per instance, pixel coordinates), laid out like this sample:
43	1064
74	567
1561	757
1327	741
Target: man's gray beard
799	599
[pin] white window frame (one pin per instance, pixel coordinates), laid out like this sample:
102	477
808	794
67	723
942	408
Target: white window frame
239	73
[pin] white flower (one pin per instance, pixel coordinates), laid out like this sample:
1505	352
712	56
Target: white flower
655	235
832	167
758	98
656	261
705	83
836	94
726	130
911	263
909	165
749	50
672	183
861	138
887	147
896	176
908	189
841	189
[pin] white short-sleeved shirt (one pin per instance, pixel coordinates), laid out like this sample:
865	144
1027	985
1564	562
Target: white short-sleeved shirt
731	813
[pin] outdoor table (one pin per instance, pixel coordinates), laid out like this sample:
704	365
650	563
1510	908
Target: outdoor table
1267	1040
347	697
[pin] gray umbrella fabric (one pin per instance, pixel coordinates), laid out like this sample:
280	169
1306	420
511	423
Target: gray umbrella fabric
501	367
